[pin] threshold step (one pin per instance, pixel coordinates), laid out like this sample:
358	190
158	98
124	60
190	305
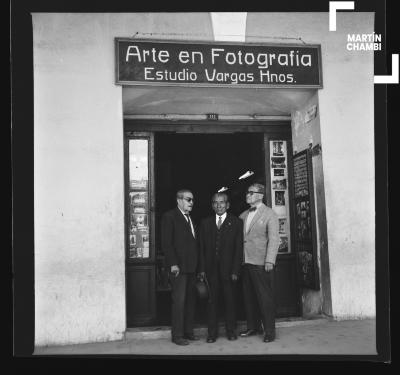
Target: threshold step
157	332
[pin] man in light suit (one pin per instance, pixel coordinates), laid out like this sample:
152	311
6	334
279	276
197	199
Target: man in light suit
260	245
180	246
221	253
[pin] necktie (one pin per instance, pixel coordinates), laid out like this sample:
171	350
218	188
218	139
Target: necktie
219	222
251	209
190	224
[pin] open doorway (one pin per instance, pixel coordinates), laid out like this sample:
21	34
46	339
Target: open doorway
203	163
162	158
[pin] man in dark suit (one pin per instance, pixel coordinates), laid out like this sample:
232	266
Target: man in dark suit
221	252
179	243
261	242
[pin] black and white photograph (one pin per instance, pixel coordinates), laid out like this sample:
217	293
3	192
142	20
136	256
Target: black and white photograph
138	198
283	244
306	262
240	205
279	184
282	225
139	220
138	184
278	148
279	198
278	162
279	172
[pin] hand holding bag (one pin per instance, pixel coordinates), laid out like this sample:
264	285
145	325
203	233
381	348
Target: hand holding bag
203	289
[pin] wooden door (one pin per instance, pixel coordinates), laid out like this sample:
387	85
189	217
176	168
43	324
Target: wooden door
139	229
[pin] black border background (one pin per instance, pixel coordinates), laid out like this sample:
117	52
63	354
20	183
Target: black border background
21	68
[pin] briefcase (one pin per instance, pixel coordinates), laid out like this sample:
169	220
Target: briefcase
202	289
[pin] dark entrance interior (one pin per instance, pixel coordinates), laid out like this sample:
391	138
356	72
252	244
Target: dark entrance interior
203	163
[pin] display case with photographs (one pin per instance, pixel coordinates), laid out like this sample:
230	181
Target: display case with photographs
304	219
138	199
279	191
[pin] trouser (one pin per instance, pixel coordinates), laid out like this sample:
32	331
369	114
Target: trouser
259	297
183	297
217	285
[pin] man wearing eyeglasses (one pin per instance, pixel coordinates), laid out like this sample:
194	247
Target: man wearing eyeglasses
179	244
260	247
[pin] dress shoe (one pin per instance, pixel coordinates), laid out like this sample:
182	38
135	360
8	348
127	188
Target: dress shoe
248	332
211	339
191	337
232	337
180	341
269	337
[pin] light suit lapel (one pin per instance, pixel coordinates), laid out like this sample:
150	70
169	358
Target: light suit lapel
258	214
244	222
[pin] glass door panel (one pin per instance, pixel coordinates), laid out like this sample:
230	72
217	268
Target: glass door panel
139	199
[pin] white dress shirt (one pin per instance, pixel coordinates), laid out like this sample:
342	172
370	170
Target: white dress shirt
223	217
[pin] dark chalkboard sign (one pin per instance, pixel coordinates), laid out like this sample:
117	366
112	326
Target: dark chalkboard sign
305	224
162	62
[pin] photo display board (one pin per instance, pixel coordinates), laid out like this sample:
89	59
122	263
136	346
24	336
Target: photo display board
305	225
279	190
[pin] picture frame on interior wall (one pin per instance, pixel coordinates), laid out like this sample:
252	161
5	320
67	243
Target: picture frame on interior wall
279	172
279	184
278	162
279	198
282	225
278	148
283	244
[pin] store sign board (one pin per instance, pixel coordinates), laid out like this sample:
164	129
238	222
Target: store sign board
149	62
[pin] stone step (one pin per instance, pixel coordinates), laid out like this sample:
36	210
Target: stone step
157	332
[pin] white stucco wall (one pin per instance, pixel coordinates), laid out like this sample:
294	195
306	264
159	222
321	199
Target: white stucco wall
78	161
78	169
346	105
305	133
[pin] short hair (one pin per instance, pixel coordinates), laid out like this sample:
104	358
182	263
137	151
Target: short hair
224	195
259	187
179	193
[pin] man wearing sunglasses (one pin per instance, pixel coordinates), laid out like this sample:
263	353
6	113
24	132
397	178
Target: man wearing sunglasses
179	244
260	247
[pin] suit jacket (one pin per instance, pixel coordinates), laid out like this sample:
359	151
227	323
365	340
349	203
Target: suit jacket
261	242
177	242
230	249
